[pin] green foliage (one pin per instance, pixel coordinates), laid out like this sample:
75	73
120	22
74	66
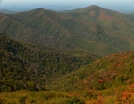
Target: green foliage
106	73
60	66
41	97
22	100
97	30
107	18
25	67
74	101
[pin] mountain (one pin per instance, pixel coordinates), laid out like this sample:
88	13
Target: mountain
5	11
25	67
131	17
105	17
65	31
108	72
109	79
50	51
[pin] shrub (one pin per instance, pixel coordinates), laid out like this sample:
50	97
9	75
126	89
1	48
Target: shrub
74	101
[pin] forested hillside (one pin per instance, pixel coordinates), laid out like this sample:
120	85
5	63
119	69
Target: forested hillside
86	55
105	17
72	30
109	79
108	72
24	67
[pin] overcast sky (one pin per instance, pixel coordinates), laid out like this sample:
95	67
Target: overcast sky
111	4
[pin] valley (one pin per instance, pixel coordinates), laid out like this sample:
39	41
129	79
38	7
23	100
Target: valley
81	56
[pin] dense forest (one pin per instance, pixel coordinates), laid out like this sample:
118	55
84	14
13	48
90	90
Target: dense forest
81	56
93	29
24	67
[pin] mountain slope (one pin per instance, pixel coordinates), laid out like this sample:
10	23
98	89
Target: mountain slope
105	17
131	17
111	72
24	67
108	80
63	31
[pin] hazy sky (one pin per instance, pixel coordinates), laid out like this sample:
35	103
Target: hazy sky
112	4
69	2
63	1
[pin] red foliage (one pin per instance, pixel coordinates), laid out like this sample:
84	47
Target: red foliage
101	81
128	95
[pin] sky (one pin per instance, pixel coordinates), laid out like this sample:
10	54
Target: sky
110	4
73	2
63	0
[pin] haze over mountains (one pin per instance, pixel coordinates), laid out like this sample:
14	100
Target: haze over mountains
123	6
5	11
101	31
82	51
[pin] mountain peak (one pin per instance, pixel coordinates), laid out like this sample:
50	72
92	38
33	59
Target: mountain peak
39	9
93	6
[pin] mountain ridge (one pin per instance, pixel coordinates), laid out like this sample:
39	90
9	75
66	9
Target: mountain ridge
109	72
65	31
23	65
43	51
5	11
104	17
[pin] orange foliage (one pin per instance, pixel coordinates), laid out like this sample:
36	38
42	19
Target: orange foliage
128	95
92	13
105	16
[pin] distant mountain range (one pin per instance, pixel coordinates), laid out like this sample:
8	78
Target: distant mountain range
87	53
98	30
105	17
5	11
